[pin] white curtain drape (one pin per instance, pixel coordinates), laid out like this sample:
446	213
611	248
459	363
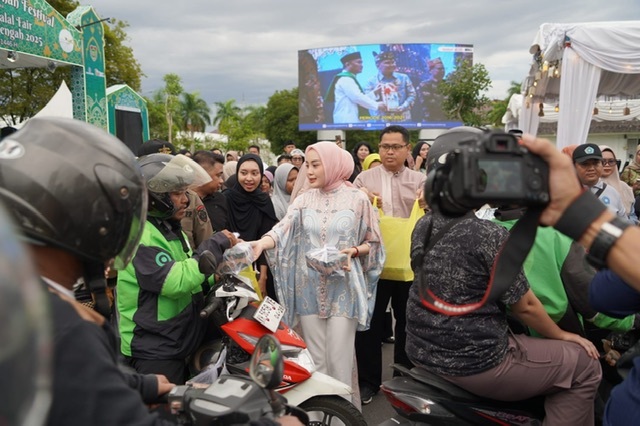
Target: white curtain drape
529	119
578	89
598	59
612	46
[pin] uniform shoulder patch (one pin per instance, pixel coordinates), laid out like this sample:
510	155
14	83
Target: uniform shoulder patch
202	213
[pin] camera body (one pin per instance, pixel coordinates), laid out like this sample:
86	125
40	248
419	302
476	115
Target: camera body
491	168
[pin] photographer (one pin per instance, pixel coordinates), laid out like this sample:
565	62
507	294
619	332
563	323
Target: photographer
484	358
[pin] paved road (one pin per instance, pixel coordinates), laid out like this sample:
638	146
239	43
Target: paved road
379	409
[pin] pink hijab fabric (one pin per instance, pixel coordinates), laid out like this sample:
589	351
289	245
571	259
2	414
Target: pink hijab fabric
338	164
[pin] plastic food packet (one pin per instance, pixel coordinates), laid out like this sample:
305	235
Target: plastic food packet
236	259
327	260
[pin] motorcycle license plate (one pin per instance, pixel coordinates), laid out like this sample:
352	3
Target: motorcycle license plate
269	314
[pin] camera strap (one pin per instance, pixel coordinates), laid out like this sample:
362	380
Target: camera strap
506	267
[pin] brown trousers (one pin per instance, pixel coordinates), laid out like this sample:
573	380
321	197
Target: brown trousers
533	366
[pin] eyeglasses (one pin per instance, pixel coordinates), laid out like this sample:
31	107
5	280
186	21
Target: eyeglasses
609	162
391	147
296	158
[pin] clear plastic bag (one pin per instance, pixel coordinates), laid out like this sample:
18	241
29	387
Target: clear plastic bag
236	259
327	260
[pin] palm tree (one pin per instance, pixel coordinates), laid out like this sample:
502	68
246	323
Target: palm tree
195	114
172	89
226	113
500	107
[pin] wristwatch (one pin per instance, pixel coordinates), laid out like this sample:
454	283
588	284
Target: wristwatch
606	238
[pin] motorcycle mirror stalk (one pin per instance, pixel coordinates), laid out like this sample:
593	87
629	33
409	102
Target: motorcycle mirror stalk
233	400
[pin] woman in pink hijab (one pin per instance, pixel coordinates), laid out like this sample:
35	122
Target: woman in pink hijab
330	298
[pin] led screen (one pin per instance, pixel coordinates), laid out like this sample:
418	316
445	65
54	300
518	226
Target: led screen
368	87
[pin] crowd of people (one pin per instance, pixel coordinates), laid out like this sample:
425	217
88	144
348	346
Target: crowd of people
152	217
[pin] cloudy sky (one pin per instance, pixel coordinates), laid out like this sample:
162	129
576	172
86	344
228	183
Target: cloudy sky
247	49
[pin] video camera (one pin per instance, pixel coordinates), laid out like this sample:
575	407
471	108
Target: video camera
487	168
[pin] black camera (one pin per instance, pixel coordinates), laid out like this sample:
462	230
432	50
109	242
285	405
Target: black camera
488	168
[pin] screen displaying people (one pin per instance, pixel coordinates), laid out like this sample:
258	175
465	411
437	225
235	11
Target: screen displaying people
369	87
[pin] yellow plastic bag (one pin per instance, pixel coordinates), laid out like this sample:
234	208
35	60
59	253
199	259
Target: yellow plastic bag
396	236
249	273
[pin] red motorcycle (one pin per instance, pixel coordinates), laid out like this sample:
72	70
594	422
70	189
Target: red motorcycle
233	307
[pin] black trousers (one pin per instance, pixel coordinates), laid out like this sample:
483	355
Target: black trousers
174	369
369	343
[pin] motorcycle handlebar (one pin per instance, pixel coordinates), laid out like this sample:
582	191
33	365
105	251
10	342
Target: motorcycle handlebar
211	306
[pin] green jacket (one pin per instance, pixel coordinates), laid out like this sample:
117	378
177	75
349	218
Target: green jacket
559	276
159	296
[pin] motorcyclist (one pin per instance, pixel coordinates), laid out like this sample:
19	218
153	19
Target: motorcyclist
25	367
160	293
518	367
77	195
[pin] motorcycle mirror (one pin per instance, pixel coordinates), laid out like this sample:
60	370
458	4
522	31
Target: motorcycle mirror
207	263
267	364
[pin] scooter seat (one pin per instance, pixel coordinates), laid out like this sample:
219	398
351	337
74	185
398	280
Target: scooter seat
424	376
455	393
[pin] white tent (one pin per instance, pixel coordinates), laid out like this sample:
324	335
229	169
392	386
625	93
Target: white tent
60	105
576	65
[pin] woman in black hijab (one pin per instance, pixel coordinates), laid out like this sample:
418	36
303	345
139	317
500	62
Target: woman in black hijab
251	212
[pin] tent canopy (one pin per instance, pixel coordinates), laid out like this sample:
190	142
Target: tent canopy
574	65
60	105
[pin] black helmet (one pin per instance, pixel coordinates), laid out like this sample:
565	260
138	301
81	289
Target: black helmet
166	174
434	191
72	185
448	141
25	353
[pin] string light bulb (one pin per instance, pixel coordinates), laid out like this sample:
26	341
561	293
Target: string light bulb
626	110
595	108
541	111
557	108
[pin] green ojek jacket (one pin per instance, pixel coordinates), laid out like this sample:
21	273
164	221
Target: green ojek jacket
559	276
159	296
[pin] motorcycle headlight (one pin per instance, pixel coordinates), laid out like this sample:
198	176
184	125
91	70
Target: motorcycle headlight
302	357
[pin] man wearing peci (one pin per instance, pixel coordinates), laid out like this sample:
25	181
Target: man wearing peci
393	88
346	92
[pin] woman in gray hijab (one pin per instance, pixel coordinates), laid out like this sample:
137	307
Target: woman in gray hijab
283	181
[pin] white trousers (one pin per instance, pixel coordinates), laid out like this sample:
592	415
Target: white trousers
331	342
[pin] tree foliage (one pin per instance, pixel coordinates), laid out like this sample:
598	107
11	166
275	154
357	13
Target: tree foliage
121	66
281	121
227	114
171	92
25	91
158	128
195	114
500	107
464	93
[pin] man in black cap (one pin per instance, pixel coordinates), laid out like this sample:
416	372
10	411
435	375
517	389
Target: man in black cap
587	160
350	101
393	88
